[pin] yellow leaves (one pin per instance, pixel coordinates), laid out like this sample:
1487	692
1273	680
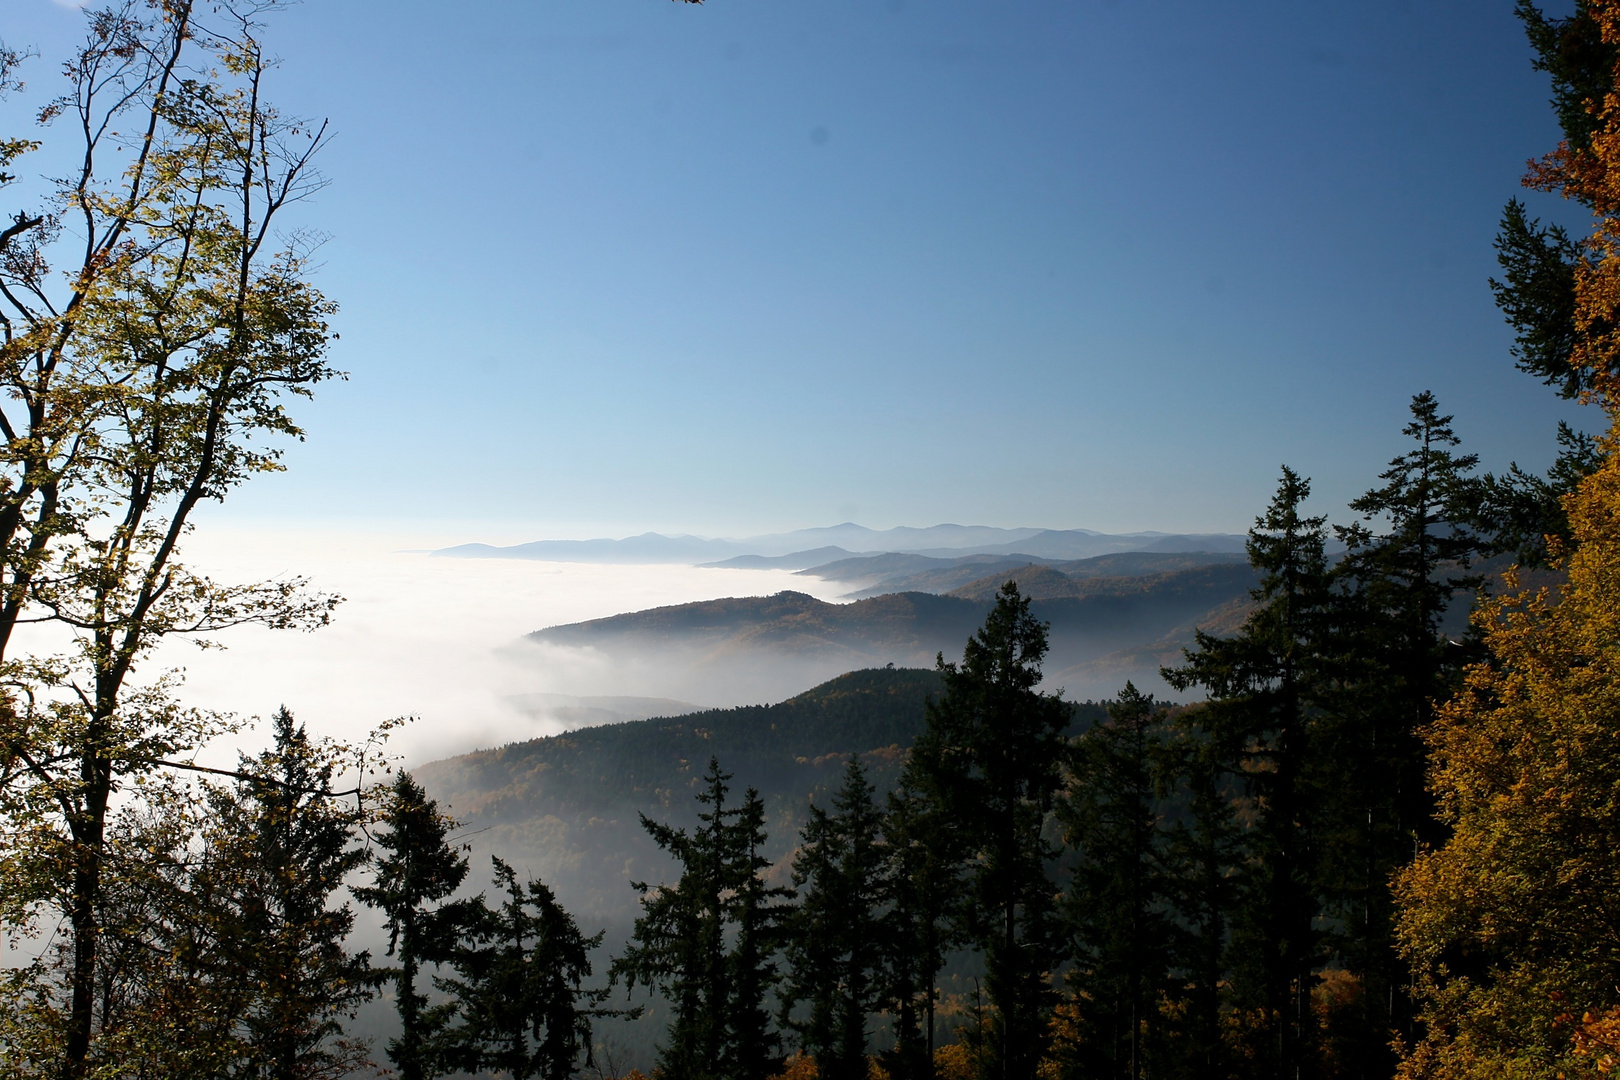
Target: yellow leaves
800	1066
956	1062
1597	1039
1525	896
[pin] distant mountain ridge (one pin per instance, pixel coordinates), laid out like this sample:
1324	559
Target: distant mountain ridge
1128	624
879	574
807	546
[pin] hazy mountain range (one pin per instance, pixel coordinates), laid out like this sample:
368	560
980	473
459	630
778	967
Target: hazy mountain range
567	808
1112	618
805	548
874	575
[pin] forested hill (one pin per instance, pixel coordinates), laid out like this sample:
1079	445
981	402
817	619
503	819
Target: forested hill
656	762
1103	631
567	806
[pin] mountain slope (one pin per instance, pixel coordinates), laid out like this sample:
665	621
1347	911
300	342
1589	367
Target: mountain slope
759	646
567	807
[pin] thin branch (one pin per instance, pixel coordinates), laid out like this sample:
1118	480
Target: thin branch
247	777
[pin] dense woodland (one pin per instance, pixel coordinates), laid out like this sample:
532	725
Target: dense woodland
1367	848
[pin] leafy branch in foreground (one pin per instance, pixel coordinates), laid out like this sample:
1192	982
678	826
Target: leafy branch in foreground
154	321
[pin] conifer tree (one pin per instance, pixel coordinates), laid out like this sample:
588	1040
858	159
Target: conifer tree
1407	576
1202	850
835	947
721	1026
520	1006
420	868
1520	513
279	848
1115	905
1541	264
991	755
1269	689
752	1047
679	938
1542	271
1397	585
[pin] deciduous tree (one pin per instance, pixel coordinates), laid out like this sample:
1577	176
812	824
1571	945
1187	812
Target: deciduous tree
154	325
1511	924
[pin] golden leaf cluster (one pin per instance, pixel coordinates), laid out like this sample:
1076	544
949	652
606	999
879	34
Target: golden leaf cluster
1513	925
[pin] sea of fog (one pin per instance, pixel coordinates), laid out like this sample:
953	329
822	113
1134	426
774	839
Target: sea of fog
438	639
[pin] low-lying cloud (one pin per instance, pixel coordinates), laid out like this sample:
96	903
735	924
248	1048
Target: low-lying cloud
441	639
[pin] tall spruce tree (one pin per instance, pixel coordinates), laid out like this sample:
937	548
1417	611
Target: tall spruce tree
835	945
1116	903
1400	577
1521	514
1537	293
1407	575
679	938
752	1047
1202	849
721	1026
1269	688
521	1008
991	755
421	868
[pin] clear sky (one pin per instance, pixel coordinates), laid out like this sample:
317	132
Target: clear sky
615	265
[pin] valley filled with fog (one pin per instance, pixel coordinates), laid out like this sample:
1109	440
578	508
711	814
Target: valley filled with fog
435	638
486	646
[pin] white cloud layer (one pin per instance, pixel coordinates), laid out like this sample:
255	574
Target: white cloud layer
427	637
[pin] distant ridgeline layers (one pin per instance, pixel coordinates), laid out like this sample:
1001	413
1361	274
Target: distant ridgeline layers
1105	627
811	547
897	572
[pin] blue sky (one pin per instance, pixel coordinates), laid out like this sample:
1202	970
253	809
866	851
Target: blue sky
619	265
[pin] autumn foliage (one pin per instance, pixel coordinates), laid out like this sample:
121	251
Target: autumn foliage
1513	924
1588	170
